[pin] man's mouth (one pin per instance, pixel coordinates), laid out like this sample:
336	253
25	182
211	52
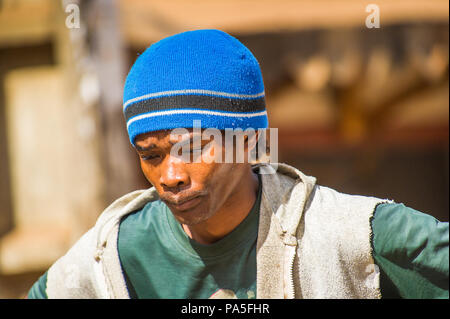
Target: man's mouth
184	203
189	204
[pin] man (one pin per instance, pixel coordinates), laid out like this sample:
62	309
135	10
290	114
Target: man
230	229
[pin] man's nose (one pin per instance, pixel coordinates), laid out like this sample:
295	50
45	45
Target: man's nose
173	173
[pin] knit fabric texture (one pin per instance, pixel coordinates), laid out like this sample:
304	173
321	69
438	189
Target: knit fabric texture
203	75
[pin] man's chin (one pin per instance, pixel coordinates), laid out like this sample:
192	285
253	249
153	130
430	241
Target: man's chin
192	217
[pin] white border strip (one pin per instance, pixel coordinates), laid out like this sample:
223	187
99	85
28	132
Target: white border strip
206	92
153	114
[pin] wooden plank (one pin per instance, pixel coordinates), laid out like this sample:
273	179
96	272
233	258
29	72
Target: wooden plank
26	21
147	21
120	160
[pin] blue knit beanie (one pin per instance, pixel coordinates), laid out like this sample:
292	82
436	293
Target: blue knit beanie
204	75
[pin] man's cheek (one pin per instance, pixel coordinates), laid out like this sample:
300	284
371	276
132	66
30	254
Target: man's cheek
150	175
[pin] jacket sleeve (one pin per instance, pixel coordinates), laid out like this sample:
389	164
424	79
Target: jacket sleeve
412	251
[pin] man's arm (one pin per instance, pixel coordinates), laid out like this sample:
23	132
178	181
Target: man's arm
412	251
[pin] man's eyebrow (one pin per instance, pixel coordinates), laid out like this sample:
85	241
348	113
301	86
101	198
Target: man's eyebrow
187	139
145	148
182	142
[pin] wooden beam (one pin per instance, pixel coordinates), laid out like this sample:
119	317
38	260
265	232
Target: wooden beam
108	52
146	21
26	21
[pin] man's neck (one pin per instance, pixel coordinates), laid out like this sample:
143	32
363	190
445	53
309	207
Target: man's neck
229	216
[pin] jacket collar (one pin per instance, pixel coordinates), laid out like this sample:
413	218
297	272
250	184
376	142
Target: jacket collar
285	192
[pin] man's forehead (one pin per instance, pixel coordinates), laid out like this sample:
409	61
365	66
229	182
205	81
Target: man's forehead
163	138
150	139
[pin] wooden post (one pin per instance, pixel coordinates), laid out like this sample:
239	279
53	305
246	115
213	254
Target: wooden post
122	172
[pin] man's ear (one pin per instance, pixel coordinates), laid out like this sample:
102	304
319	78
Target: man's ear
251	141
251	146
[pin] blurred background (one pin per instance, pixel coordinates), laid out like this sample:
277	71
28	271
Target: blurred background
365	110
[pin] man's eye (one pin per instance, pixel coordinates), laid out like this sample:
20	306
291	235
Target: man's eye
149	157
196	148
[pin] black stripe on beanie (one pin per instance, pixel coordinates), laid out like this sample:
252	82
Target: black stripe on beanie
204	102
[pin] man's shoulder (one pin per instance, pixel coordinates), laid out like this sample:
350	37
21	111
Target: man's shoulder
288	178
125	205
338	197
327	202
151	212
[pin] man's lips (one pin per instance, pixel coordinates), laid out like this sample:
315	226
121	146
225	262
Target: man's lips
183	203
189	204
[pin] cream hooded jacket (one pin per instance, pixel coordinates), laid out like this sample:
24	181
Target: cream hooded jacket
313	242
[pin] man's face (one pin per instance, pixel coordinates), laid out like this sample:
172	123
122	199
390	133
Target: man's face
194	191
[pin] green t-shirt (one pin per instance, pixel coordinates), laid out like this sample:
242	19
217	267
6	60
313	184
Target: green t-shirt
161	261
